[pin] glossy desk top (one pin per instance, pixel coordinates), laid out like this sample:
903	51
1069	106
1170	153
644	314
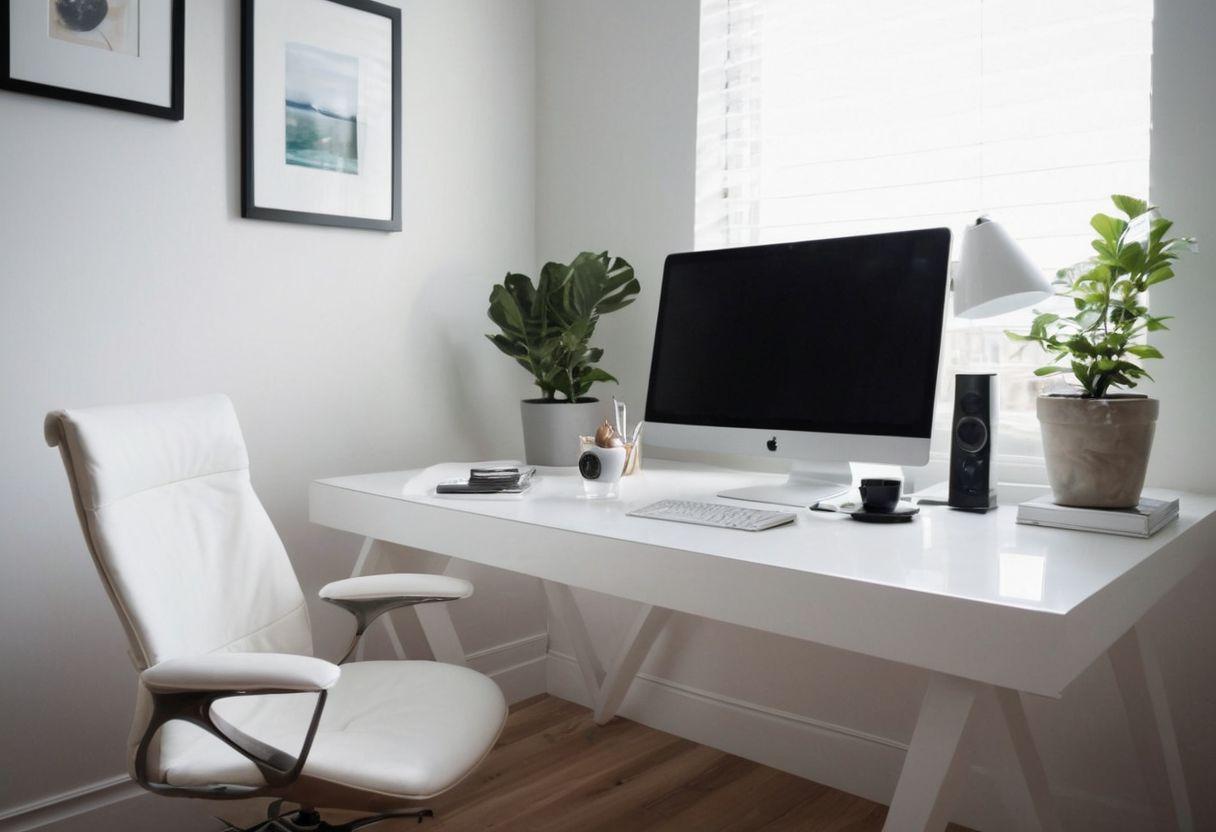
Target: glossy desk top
980	557
976	595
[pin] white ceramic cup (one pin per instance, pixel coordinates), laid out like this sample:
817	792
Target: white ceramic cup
601	470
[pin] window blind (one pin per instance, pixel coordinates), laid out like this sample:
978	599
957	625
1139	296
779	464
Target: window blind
825	118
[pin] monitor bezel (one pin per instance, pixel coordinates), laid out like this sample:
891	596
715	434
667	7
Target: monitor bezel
801	440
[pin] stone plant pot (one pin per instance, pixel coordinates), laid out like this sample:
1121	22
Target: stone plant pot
1097	449
552	428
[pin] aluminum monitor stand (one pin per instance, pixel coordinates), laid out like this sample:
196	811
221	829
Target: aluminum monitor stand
808	483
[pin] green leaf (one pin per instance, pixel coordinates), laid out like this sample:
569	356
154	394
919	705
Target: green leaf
1110	228
521	288
1129	205
504	310
1158	276
1050	370
1080	345
1158	229
596	374
1145	351
513	348
1179	245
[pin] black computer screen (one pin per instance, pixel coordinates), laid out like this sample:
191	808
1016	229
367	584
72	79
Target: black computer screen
833	336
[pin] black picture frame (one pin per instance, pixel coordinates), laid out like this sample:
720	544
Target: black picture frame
249	207
174	112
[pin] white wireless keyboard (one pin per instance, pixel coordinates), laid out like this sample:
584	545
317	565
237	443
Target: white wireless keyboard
714	514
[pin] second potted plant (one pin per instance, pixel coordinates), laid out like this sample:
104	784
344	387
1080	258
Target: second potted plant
547	328
1096	442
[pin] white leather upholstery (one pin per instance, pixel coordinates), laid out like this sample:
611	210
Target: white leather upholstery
200	580
401	728
397	585
191	560
241	671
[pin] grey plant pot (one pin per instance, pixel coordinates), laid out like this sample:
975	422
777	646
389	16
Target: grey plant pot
552	428
1097	450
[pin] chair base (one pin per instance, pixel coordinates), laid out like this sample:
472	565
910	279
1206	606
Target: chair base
308	820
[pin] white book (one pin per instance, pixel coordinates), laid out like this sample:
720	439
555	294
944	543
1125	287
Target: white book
1142	521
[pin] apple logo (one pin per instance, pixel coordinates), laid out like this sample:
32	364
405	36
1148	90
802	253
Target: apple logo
771	444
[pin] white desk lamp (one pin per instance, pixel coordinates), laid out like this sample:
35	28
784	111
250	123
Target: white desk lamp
994	274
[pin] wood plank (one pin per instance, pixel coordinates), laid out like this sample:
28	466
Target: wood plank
750	802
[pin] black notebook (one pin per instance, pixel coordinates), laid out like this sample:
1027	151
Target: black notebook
489	481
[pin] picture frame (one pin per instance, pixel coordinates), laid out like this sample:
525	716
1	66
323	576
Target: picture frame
321	112
121	54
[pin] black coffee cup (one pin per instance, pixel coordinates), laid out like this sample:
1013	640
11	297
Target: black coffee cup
881	496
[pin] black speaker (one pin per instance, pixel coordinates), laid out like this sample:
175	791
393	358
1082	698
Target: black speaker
973	429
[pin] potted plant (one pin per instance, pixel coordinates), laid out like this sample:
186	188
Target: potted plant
1096	442
547	328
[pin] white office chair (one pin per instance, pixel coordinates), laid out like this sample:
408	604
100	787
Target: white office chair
219	633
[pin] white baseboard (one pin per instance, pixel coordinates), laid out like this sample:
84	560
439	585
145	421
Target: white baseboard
517	666
834	755
68	804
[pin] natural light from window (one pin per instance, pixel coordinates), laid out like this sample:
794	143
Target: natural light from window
824	118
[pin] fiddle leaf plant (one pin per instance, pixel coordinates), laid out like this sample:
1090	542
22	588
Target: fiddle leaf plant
547	327
1102	343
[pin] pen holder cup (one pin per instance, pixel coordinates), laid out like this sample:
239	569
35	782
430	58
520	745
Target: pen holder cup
633	453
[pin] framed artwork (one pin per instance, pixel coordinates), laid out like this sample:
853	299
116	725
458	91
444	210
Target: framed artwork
123	54
321	112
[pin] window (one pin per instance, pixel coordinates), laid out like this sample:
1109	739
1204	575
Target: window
824	118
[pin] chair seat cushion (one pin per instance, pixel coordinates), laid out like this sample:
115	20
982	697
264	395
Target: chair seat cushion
407	729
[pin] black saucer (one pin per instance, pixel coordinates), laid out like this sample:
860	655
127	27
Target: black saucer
902	513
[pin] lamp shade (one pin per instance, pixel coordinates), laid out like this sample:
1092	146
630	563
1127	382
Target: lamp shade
994	274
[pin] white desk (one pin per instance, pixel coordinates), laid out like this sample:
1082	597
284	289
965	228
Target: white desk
991	608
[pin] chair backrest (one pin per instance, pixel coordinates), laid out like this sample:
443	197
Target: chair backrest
187	554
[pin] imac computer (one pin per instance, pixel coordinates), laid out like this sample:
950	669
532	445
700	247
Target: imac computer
823	352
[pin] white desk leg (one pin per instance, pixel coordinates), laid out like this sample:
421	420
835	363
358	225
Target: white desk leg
565	609
365	552
932	771
642	634
369	556
436	622
606	691
1152	729
1034	779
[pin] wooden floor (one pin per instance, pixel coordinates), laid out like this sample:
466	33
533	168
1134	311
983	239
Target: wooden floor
554	769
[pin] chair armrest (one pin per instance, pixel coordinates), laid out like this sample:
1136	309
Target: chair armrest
186	688
418	588
367	597
243	672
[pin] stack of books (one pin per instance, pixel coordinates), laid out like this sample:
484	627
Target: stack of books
489	481
1144	520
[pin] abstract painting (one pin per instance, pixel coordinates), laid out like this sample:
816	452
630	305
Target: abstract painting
112	25
322	117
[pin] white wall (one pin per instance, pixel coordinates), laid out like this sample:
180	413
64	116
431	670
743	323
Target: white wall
126	274
616	111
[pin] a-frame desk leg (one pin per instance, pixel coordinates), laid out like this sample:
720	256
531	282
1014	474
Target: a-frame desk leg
606	689
435	620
